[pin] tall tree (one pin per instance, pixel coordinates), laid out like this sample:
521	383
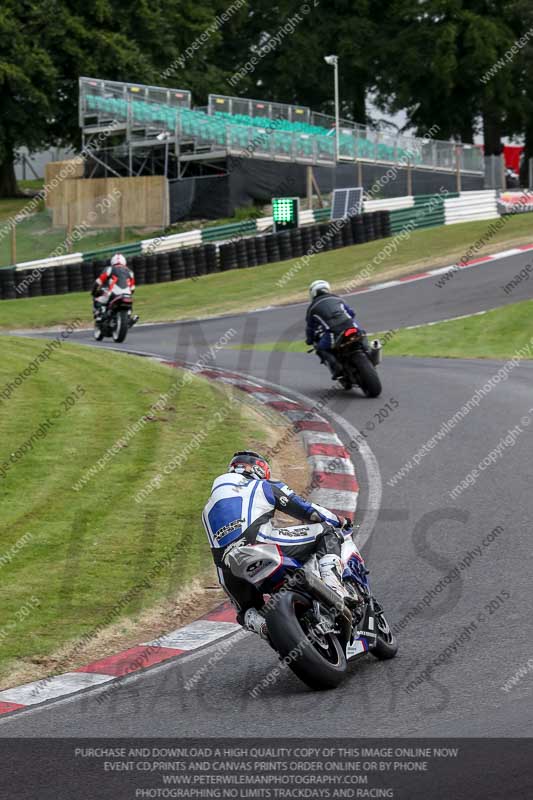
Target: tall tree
290	40
442	49
45	45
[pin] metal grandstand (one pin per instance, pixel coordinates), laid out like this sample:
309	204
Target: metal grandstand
133	129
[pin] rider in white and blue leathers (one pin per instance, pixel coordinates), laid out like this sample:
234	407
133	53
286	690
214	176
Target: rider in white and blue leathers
240	509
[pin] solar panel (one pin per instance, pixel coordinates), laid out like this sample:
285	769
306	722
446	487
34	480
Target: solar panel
347	202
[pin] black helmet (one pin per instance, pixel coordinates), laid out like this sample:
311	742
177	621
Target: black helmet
247	462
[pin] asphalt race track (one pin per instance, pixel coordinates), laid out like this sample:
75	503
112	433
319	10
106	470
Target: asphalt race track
420	537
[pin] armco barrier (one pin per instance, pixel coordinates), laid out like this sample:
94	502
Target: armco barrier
161	266
243	228
470	206
425	211
188	256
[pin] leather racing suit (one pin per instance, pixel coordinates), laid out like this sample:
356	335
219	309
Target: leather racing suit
241	508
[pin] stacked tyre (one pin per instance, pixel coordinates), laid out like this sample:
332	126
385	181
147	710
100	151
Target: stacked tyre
384	217
346	233
199	260
48	281
272	247
368	222
307	239
190	265
251	252
163	274
211	258
336	234
177	265
22	281
228	256
261	250
35	288
138	266
151	269
296	242
242	253
285	245
74	277
376	219
87	276
326	236
358	229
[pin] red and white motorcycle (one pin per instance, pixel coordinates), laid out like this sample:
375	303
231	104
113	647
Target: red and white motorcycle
116	315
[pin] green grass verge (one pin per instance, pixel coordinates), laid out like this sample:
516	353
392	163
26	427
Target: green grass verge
253	288
80	552
500	333
36	238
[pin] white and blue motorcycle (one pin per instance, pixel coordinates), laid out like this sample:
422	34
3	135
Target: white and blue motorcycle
312	629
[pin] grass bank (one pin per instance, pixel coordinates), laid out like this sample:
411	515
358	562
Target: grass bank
505	332
242	289
76	549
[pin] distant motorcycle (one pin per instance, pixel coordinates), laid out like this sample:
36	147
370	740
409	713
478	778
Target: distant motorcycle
117	316
311	628
358	367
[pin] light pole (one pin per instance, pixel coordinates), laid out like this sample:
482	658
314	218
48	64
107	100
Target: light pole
333	61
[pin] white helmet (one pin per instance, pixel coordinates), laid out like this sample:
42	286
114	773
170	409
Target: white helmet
118	260
318	286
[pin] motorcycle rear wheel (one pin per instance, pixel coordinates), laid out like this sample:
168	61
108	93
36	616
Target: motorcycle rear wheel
368	378
319	664
121	327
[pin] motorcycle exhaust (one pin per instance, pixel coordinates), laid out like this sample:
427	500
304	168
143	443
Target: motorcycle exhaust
375	352
320	590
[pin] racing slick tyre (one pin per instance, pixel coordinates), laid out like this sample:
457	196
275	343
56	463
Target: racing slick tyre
121	328
318	660
368	378
386	645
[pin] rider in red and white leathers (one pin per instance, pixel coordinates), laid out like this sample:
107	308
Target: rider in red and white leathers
240	510
116	274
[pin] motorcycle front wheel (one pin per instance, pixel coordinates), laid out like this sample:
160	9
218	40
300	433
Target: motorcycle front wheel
121	326
318	660
386	644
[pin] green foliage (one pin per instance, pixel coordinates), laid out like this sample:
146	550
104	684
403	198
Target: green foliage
428	57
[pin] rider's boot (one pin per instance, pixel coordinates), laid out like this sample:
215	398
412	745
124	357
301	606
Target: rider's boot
254	621
333	364
330	567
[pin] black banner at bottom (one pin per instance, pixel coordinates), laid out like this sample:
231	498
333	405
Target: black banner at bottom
151	769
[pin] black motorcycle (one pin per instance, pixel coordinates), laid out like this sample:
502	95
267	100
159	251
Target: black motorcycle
116	316
357	363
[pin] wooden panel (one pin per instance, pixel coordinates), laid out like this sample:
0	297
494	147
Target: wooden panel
56	173
102	202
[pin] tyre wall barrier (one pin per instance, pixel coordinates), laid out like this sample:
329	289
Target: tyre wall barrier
204	259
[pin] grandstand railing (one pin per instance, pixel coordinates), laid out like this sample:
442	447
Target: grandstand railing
176	98
279	138
258	108
371	144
